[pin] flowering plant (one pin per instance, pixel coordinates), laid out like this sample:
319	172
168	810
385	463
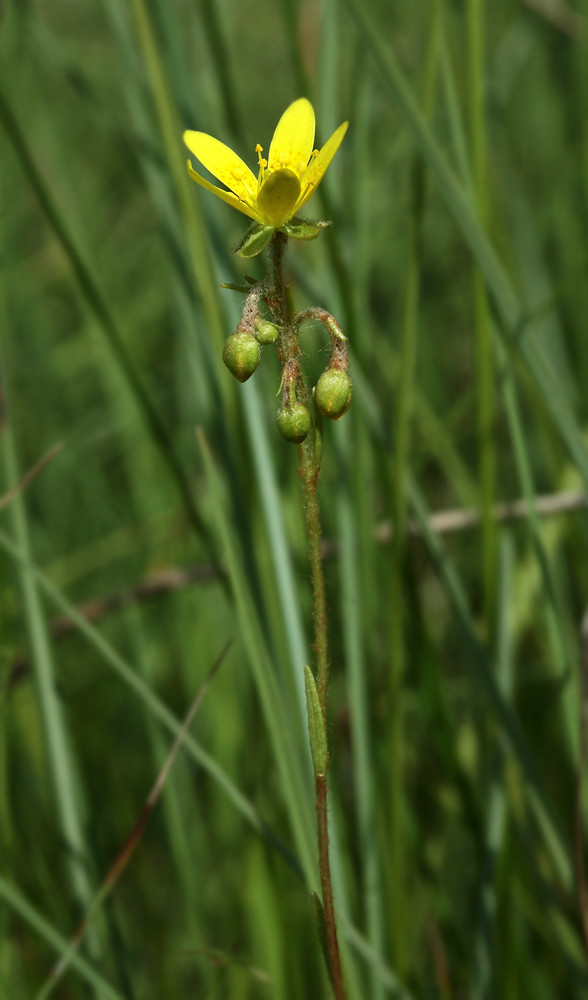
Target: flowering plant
286	180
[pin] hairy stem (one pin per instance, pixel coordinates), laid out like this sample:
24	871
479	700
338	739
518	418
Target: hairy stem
276	299
327	888
312	515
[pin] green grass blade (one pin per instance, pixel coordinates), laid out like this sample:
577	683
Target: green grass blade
400	433
368	820
282	562
62	764
554	618
99	307
497	806
295	789
482	319
479	662
47	932
171	132
505	299
145	694
60	759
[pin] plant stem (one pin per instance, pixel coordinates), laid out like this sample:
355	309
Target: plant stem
309	477
327	888
312	515
308	469
481	310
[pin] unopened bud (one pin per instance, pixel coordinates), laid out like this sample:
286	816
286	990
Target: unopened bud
333	393
241	355
294	423
266	331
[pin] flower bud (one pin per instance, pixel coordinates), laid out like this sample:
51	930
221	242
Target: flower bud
266	331
241	355
294	423
333	393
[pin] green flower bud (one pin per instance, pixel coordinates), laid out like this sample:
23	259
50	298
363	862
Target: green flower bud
333	393
241	355
294	423
266	331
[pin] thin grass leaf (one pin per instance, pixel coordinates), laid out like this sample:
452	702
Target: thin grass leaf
356	668
99	307
287	759
30	475
478	661
484	979
62	763
401	435
133	680
37	922
510	309
128	849
280	553
485	375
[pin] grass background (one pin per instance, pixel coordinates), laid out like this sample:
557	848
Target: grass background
456	265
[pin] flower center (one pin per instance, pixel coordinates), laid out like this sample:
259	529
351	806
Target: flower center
277	196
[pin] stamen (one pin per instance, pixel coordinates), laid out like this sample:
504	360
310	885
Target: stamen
262	164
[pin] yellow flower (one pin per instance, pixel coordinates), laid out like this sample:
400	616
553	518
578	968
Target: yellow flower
286	180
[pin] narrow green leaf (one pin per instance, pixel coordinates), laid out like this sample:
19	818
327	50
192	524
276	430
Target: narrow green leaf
101	310
478	661
507	302
47	932
321	928
288	758
142	690
316	725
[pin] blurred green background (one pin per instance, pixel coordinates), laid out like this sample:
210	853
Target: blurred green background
457	267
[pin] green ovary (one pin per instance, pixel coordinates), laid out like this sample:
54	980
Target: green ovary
278	196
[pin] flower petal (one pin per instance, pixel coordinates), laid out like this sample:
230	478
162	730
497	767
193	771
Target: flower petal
247	208
318	166
293	139
223	163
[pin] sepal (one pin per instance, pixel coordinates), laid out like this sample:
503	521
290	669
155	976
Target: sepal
255	240
303	229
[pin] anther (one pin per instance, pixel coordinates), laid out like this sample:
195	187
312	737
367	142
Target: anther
262	164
